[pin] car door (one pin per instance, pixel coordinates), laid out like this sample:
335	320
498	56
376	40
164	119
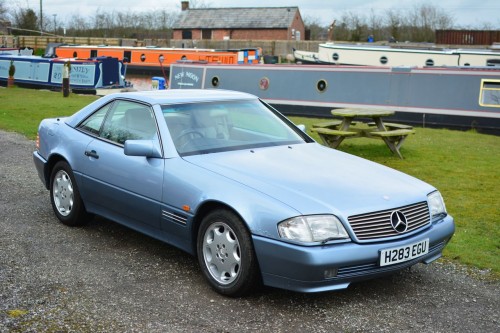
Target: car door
123	188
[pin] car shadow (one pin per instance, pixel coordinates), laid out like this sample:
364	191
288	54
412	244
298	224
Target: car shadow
149	251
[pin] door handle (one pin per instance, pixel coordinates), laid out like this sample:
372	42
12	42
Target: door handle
91	153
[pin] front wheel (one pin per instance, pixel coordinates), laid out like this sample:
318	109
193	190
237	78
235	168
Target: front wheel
226	255
65	197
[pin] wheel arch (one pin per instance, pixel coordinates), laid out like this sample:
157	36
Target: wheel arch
51	162
203	210
248	274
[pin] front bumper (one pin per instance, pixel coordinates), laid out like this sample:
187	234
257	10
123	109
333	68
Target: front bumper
40	164
302	268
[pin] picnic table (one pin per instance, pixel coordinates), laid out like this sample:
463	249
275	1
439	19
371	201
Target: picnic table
332	133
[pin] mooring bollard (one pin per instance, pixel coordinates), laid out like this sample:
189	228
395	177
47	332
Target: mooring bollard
65	82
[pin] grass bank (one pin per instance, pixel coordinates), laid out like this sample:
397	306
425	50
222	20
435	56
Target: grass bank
462	165
21	110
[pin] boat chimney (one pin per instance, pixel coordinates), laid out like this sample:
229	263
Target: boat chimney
184	5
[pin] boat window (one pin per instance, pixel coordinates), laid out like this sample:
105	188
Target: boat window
493	62
215	81
321	85
143	57
429	62
384	60
490	93
335	56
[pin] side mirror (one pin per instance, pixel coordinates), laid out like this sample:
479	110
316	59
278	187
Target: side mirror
302	127
146	148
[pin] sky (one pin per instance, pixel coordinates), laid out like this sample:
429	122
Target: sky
466	13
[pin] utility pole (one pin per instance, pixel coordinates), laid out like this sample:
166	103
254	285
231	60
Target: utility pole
41	19
55	27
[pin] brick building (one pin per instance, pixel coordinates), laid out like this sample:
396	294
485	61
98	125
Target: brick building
252	23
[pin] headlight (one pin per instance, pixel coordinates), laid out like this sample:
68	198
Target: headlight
313	228
437	208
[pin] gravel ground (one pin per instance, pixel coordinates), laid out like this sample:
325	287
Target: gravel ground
107	278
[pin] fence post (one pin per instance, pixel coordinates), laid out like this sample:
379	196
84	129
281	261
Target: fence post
65	83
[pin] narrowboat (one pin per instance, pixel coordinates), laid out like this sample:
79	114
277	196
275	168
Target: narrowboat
86	75
9	50
397	55
157	60
462	97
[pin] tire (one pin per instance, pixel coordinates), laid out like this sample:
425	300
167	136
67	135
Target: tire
65	197
226	255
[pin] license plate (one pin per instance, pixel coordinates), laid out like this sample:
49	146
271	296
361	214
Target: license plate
404	253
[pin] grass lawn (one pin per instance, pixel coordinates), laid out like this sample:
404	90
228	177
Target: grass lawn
462	165
21	110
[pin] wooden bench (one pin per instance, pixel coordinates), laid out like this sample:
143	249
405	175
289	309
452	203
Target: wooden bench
391	133
393	138
391	126
327	124
333	137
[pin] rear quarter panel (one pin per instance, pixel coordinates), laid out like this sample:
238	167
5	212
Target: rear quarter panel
58	141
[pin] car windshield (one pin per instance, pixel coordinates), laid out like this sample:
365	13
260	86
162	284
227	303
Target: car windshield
202	128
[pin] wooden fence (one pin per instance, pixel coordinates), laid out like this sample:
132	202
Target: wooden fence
279	48
468	37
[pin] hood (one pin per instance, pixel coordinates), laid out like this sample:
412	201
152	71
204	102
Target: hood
314	179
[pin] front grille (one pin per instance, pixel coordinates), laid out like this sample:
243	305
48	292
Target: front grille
377	225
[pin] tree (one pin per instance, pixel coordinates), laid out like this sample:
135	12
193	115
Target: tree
3	10
393	24
424	20
375	25
26	19
313	26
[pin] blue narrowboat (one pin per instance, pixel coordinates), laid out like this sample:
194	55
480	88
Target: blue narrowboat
86	75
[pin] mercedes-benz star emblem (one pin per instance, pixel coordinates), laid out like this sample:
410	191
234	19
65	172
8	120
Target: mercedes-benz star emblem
398	221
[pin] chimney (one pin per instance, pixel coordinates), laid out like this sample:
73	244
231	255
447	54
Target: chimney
184	5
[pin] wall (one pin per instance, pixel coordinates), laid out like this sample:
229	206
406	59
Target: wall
298	26
220	34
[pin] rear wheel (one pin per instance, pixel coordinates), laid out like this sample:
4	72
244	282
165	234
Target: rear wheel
226	255
65	197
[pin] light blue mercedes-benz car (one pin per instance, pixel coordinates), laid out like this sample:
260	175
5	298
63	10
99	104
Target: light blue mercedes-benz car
225	177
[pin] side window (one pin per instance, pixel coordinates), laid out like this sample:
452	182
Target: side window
490	93
129	121
93	123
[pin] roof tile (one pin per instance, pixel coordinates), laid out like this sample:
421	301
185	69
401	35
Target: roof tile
237	18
